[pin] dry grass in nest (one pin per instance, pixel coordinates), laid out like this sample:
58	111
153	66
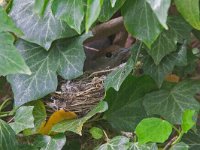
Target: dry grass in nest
82	94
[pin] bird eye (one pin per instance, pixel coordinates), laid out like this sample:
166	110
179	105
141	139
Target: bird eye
109	54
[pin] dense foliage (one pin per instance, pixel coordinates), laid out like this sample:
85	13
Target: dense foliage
42	41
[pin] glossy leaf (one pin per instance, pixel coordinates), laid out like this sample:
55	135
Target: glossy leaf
180	27
8	139
192	138
11	61
55	118
55	142
7	24
39	113
92	13
107	11
70	11
160	8
190	11
77	124
146	27
66	57
40	6
113	2
137	146
96	133
164	45
180	146
171	103
125	106
188	120
40	30
23	119
153	130
117	143
116	78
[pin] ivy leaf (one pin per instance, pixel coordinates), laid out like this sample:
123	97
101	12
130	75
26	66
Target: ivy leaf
11	61
23	119
125	106
180	146
7	137
171	103
160	8
166	66
7	24
190	11
188	120
165	44
116	78
137	146
50	142
40	30
192	138
107	10
92	13
113	2
39	113
65	57
117	143
40	6
159	72
147	27
96	133
70	11
153	130
77	124
180	27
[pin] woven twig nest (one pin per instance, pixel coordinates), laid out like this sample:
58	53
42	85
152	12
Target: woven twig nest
82	94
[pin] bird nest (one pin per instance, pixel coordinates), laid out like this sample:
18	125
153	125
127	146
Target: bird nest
80	95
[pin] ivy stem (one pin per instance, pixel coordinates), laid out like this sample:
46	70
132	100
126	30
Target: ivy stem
138	52
4	104
178	138
106	136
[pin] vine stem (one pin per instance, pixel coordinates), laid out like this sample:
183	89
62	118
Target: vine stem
138	52
3	105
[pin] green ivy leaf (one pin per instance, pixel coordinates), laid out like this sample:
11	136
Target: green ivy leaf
164	45
65	57
190	11
192	138
137	146
8	140
113	2
160	8
23	119
117	143
125	106
70	11
40	30
96	133
180	146
107	10
180	27
171	103
188	120
77	124
6	23
153	130
11	61
116	78
55	142
146	27
39	113
166	66
92	13
40	6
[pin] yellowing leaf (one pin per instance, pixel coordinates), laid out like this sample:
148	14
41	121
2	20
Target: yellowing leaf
172	78
55	118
